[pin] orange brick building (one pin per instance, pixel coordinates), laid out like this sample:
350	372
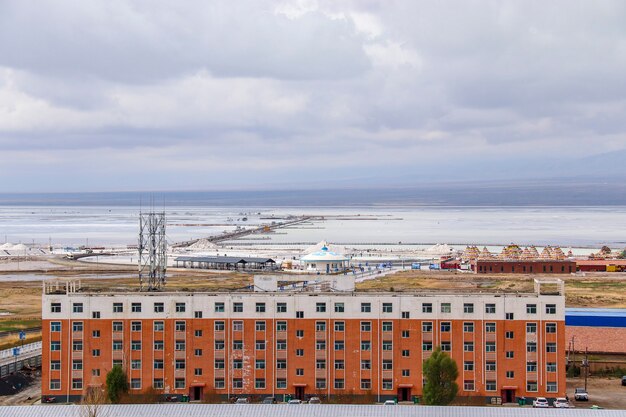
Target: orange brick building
302	344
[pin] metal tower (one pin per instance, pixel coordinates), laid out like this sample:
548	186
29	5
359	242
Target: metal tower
152	251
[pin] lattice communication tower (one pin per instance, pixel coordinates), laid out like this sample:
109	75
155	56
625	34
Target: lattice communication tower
152	251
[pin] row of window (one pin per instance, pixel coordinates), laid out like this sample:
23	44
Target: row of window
320	383
237	307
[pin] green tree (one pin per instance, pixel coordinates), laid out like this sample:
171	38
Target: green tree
440	372
117	383
622	255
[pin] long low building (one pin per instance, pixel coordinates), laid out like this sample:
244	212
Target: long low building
373	345
225	263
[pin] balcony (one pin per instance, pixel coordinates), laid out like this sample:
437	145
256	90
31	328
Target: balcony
180	335
387	335
220	373
281	354
427	337
179	373
117	355
387	354
77	335
491	375
220	354
426	354
491	356
220	335
320	373
281	335
320	335
387	374
117	335
281	373
490	337
320	354
77	354
180	354
77	374
531	356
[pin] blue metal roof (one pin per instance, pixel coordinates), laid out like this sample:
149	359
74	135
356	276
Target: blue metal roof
595	317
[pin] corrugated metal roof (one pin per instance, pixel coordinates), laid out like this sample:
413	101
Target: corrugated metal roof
222	259
304	410
595	317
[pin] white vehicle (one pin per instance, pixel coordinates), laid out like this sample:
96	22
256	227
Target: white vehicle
541	402
561	403
295	401
390	402
580	394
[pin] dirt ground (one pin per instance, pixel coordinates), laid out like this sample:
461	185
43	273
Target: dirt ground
604	392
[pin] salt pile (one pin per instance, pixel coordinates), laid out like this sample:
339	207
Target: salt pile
6	246
203	244
439	249
20	247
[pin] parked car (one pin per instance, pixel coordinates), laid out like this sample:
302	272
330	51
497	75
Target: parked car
541	402
390	402
269	400
171	398
49	399
315	400
295	401
580	394
242	400
561	403
624	381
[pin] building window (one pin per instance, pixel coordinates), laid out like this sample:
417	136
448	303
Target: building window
281	326
179	383
158	345
299	314
238	326
55	308
180	326
259	383
468	346
219	345
77	345
427	346
179	364
135	364
237	307
197	333
259	326
281	364
299	333
366	326
237	363
180	307
468	327
551	387
55	365
77	365
281	307
281	383
490	308
446	307
366	384
387	365
550	308
158	364
118	326
531	327
197	371
366	345
157	383
551	347
531	366
531	386
510	354
509	335
219	364
446	347
135	345
387	308
299	371
427	308
387	384
468	385
55	326
260	307
95	372
135	307
339	384
509	316
77	383
95	353
490	366
405	334
95	314
490	386
366	307
117	345
550	327
197	352
55	384
197	314
320	326
406	315
299	352
237	383
490	346
339	345
77	307
445	326
490	327
339	308
427	327
406	353
551	367
387	345
281	345
510	374
320	307
219	307
340	326
468	308
320	345
320	383
259	345
339	364
77	326
180	345
118	307
406	372
159	307
531	346
531	308
468	366
237	344
135	326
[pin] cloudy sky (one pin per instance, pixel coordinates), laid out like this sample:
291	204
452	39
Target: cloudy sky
199	95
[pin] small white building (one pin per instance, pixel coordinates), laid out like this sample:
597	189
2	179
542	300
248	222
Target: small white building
325	261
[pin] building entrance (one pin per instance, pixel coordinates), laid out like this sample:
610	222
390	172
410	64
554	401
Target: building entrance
195	394
508	395
300	393
404	394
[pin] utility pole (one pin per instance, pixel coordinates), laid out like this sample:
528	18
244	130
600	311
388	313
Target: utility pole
586	365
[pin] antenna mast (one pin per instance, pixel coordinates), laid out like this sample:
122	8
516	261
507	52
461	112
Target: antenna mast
152	251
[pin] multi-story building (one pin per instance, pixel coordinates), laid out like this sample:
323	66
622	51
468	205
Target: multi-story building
303	343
